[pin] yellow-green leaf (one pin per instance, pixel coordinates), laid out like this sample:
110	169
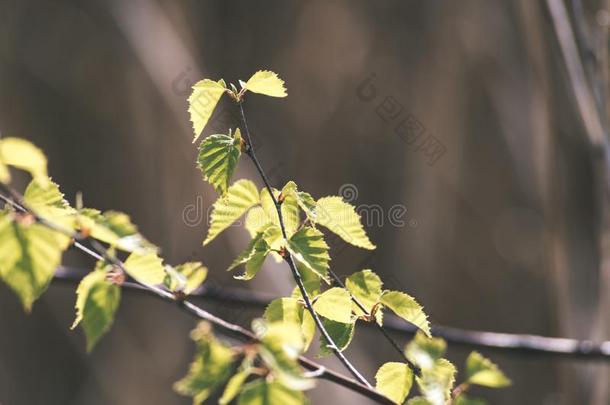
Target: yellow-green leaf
114	228
253	256
210	369
342	219
261	392
340	333
289	310
334	304
218	157
481	371
437	382
407	308
145	268
425	351
304	200
48	202
308	247
97	300
233	387
267	83
365	286
23	155
29	254
202	103
256	220
394	380
186	277
289	209
239	198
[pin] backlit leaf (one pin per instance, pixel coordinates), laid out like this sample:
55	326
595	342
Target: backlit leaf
341	218
29	254
253	256
267	83
23	155
289	310
234	387
394	380
202	103
425	351
186	277
239	198
210	369
146	268
340	333
481	371
308	247
407	308
365	286
97	300
261	392
437	382
334	304
289	209
218	157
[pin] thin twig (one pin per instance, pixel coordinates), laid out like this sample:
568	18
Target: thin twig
524	344
288	257
101	253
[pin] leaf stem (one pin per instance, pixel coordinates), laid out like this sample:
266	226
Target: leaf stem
288	257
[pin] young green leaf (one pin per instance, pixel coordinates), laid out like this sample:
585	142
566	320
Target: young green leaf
23	155
311	282
481	371
45	199
261	392
254	256
97	300
289	208
309	248
303	199
218	157
29	254
289	310
234	386
267	83
186	277
114	228
394	380
281	344
340	333
146	268
407	308
256	220
365	286
335	304
436	383
425	351
239	198
202	103
210	369
342	219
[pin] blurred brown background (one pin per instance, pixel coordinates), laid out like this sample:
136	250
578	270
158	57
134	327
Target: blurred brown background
500	233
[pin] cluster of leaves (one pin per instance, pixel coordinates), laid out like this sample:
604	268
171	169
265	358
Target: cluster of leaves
436	379
265	372
34	241
282	223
